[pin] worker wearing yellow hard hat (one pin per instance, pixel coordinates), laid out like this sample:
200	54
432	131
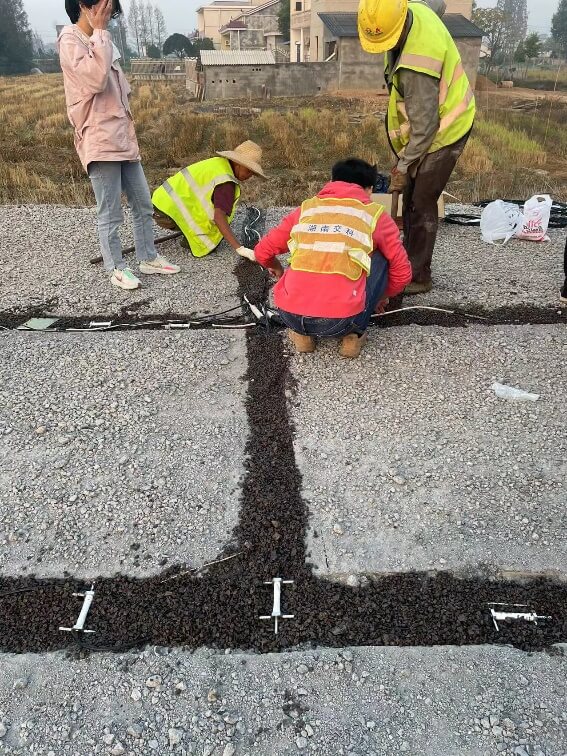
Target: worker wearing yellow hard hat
430	113
380	23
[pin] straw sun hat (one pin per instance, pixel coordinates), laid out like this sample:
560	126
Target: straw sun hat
248	154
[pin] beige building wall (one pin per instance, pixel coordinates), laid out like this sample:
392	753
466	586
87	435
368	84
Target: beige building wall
317	51
300	24
308	34
210	18
464	7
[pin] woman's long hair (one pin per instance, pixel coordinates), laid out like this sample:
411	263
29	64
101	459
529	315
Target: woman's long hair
74	10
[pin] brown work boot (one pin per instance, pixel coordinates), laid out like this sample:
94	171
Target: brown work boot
352	344
418	287
303	344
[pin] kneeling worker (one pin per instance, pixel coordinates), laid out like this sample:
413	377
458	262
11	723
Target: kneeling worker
201	200
346	261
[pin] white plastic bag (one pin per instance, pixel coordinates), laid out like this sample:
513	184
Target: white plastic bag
500	221
504	391
536	218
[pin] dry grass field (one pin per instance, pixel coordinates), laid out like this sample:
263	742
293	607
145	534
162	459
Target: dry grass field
512	153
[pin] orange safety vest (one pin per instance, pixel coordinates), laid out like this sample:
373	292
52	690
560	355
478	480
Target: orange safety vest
334	235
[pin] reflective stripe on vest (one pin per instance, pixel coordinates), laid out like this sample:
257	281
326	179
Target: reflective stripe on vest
421	62
198	232
187	198
339	242
430	49
444	84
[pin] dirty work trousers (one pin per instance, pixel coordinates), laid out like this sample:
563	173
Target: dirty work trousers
334	327
109	179
420	215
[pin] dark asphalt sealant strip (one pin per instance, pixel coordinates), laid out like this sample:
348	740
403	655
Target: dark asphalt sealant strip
220	608
131	321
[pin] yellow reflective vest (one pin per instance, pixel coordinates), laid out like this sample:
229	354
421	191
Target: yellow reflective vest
430	49
334	235
187	198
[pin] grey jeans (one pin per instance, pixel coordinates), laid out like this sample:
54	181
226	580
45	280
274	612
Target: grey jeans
109	180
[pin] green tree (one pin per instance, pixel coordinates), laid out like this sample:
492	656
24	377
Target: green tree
284	20
559	26
152	51
516	26
532	46
204	44
179	45
16	42
493	23
520	54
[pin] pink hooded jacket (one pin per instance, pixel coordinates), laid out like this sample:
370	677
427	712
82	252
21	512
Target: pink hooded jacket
96	92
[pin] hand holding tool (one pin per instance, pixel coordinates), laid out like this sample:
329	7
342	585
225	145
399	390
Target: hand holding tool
398	181
247	253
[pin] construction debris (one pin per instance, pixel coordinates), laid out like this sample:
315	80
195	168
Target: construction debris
79	626
276	614
502	615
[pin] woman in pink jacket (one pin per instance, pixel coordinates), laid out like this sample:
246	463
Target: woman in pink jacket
96	92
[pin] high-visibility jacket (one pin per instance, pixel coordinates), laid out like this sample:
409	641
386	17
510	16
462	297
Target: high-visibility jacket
187	198
334	236
430	49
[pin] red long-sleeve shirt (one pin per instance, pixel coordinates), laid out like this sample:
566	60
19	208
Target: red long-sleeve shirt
324	295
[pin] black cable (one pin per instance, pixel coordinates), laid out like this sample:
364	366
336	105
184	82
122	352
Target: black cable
26	590
251	235
117	649
557	217
462	219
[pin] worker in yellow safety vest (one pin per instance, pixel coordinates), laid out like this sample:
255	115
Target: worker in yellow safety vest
201	200
430	113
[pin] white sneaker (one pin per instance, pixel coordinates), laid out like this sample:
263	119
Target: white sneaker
159	265
125	279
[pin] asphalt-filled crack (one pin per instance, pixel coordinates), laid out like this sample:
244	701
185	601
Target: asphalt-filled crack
446	316
220	608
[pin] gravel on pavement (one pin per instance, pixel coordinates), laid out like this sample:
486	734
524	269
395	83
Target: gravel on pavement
425	467
357	702
119	452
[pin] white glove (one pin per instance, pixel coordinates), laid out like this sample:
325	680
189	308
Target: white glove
247	253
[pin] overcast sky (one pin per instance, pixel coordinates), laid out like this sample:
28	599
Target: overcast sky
180	14
44	14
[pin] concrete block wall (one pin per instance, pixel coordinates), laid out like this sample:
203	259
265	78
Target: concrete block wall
359	69
362	70
469	49
354	70
281	80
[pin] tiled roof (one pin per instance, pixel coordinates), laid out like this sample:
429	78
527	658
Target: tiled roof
233	26
237	58
345	25
340	24
459	26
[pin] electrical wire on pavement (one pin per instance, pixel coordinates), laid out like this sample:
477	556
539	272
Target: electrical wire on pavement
557	218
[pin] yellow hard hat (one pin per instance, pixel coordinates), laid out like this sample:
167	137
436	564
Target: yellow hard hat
380	23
